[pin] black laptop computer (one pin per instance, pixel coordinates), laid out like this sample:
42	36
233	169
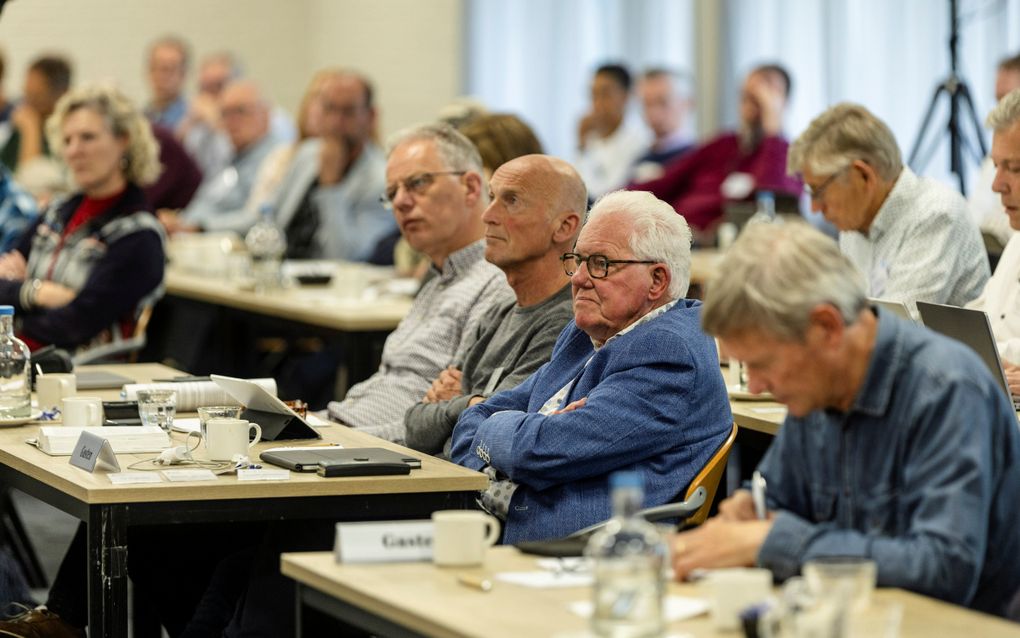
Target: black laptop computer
970	327
308	459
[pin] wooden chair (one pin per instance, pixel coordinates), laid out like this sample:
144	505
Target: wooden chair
697	500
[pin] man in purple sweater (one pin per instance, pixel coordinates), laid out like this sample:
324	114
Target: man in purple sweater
734	164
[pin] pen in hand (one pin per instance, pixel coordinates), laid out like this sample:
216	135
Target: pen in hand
758	495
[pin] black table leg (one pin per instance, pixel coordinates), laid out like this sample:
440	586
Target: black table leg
107	553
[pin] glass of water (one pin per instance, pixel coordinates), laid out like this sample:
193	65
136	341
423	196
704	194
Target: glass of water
157	407
216	412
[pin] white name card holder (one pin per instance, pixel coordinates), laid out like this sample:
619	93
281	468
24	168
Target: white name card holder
91	450
383	542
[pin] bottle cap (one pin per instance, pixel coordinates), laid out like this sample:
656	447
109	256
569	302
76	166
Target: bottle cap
6	310
626	480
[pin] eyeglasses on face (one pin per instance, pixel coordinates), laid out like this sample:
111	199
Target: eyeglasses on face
598	265
416	184
816	194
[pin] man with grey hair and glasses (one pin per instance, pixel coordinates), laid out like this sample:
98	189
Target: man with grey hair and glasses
434	187
911	237
1001	297
633	384
899	446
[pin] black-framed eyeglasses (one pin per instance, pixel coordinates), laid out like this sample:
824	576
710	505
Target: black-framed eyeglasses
598	265
816	194
416	184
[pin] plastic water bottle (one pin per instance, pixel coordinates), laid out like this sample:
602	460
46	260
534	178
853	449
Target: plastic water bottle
266	245
15	362
765	208
628	556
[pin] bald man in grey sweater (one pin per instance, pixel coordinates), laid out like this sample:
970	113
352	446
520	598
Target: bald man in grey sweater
537	207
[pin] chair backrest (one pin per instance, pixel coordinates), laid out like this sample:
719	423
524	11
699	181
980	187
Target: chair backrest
120	349
709	478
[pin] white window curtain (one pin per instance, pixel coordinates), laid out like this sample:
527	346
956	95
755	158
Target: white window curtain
888	56
535	58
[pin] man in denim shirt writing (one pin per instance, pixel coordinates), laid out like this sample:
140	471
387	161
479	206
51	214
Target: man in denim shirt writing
898	447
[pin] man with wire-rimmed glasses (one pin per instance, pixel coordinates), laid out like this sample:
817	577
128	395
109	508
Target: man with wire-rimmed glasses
911	237
434	188
633	383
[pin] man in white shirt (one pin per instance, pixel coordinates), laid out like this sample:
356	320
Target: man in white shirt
911	237
1001	297
984	204
608	146
665	102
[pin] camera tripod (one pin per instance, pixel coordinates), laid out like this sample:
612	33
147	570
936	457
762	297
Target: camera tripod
960	105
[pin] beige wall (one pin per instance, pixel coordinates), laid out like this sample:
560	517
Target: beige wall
412	49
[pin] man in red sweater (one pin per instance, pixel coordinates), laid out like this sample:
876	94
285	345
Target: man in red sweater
735	164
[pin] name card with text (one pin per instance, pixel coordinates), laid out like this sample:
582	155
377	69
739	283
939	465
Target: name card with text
383	542
92	449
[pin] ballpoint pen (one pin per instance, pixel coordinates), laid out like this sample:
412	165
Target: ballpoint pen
475	581
758	495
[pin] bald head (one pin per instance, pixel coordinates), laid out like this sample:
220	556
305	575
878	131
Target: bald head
245	113
555	180
538	203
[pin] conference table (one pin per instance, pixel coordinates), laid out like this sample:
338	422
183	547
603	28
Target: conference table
419	599
108	510
210	322
758	415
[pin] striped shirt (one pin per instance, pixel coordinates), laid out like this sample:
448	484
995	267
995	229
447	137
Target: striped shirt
432	336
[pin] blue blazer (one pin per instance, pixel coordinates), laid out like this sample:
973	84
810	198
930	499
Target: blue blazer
656	403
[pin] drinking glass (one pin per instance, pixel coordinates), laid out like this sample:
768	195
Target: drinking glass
845	578
216	412
157	407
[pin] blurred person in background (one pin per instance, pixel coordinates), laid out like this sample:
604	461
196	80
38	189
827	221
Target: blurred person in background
81	272
328	203
201	129
47	79
223	202
169	59
309	125
17	210
735	164
607	144
666	99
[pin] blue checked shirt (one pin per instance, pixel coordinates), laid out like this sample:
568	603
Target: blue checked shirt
17	210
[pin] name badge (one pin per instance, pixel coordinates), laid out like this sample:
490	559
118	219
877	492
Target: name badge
92	449
383	542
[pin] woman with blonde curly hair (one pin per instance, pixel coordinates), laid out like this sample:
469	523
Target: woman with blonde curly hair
92	259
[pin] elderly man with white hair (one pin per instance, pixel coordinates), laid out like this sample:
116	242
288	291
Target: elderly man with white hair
1001	297
899	446
910	236
633	383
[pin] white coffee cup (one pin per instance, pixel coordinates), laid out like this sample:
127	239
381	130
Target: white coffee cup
51	389
227	437
733	590
460	537
82	411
